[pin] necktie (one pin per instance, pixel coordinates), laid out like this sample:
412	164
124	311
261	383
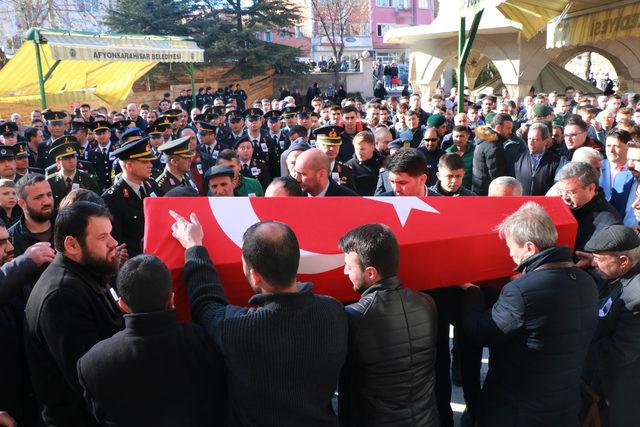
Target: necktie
245	168
68	184
104	152
143	194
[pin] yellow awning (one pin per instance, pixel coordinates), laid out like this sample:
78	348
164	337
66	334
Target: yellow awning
609	20
83	67
532	14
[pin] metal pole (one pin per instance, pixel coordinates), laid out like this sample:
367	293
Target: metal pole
461	40
193	86
464	48
36	44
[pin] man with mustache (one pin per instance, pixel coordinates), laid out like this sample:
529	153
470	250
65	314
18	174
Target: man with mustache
36	200
70	309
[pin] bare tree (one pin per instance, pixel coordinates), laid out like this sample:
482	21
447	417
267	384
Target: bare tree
336	20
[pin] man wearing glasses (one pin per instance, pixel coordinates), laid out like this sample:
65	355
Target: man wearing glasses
575	136
578	187
430	148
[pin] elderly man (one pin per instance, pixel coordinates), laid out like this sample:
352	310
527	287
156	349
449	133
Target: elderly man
312	172
505	186
536	166
578	187
219	181
538	331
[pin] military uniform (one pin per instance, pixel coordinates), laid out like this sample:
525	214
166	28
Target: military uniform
343	174
178	148
62	148
126	204
256	169
44	160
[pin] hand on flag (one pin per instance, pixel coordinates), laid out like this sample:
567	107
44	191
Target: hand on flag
189	234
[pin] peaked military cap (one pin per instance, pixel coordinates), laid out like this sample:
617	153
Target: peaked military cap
206	126
252	113
135	150
288	112
174	112
234	116
55	117
8	127
7	152
77	125
240	140
164	121
329	134
21	150
177	147
135	133
65	146
121	125
303	110
273	115
99	125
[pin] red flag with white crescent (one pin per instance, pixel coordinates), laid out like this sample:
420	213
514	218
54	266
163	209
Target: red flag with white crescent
444	241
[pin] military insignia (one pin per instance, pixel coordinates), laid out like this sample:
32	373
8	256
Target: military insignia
3	152
125	193
171	181
333	134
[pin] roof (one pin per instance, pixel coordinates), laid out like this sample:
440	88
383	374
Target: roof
85	67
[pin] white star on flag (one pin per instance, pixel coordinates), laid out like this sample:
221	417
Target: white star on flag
403	206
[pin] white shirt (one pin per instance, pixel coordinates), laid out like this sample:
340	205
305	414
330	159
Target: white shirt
134	187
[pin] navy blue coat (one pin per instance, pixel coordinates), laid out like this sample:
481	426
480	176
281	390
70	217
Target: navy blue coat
538	332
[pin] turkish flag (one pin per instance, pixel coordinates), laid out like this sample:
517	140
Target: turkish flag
444	241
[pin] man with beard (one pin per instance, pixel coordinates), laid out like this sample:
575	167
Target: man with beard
124	198
70	309
36	200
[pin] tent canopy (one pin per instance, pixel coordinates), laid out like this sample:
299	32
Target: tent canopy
552	77
86	67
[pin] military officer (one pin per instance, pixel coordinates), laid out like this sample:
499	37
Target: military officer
124	198
65	151
8	133
288	116
102	156
56	126
250	166
235	120
279	135
178	163
328	141
264	148
8	163
208	146
22	160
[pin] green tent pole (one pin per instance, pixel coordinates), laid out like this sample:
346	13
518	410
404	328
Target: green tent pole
461	40
464	48
36	44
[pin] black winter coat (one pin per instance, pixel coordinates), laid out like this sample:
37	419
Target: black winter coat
389	376
538	332
489	162
153	358
69	310
16	279
592	217
538	182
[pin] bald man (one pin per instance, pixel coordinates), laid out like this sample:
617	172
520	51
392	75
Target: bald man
311	170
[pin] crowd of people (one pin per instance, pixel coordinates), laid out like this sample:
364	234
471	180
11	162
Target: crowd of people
87	321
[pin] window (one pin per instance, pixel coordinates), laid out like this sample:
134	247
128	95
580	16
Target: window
299	31
402	4
88	5
381	29
283	33
268	36
425	4
383	3
258	36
